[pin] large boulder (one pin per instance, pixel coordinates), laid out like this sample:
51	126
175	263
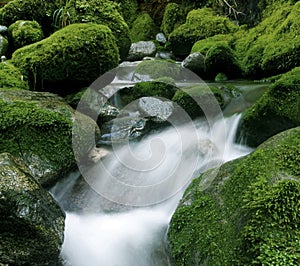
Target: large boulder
143	28
102	12
37	127
200	24
277	110
24	32
32	223
246	212
77	54
272	47
11	77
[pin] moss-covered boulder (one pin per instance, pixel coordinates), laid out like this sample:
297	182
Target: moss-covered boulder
199	100
37	127
147	89
277	110
32	223
200	24
219	57
24	32
77	54
11	77
153	69
41	11
172	19
102	12
246	212
143	28
272	47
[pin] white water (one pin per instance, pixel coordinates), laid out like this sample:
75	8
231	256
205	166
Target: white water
136	237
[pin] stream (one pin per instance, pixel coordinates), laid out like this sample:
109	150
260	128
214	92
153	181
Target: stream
130	195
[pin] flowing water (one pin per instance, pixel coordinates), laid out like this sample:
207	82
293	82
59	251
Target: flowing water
167	160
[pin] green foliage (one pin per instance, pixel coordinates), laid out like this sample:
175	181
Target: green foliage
245	213
102	12
66	55
24	32
11	77
199	100
200	24
275	111
143	28
129	10
61	18
172	19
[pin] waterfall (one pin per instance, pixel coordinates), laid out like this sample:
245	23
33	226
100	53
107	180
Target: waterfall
168	160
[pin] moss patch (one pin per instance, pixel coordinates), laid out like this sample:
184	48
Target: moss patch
78	52
277	110
246	212
102	12
11	77
24	32
200	24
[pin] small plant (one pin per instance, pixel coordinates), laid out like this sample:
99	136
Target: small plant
61	18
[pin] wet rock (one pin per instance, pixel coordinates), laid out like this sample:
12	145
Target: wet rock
141	49
3	45
32	223
3	30
195	62
161	38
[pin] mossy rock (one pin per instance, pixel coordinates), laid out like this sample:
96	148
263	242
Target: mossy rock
24	32
276	111
32	223
78	54
219	57
143	28
40	11
272	47
4	45
244	213
159	89
200	24
172	19
199	100
102	12
11	77
153	69
38	128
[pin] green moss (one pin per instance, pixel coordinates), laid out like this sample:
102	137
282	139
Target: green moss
102	12
40	11
219	57
199	100
11	77
172	19
129	10
143	28
32	223
245	213
147	89
200	24
275	111
157	68
272	47
38	128
24	32
78	52
3	45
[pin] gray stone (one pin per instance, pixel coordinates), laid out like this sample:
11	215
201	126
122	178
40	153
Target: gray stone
161	38
3	45
141	49
195	62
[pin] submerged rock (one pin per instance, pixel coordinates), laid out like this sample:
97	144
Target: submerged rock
38	128
32	223
277	110
65	57
244	213
141	49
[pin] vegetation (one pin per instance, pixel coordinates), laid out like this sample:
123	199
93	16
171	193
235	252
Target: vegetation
66	56
246	212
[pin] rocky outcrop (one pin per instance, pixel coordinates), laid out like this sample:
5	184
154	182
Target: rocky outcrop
32	223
